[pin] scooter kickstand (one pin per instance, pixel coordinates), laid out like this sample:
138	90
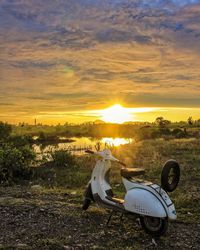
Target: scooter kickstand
111	214
121	218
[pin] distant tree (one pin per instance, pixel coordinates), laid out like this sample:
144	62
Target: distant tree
160	121
197	122
190	121
167	122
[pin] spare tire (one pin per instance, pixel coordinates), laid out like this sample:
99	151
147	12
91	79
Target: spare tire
170	175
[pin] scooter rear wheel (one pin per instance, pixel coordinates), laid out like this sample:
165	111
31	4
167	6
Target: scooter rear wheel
154	226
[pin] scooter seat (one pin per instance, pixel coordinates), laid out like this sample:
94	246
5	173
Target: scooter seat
131	172
116	200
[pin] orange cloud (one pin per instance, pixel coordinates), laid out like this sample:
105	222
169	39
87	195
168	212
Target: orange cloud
71	57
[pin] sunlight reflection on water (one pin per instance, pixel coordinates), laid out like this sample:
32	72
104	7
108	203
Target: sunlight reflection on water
116	141
78	145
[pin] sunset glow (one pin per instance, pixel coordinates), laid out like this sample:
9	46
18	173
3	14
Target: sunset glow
60	66
116	114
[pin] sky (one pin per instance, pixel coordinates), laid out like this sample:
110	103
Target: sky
64	60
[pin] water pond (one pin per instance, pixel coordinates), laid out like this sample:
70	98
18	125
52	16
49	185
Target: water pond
77	145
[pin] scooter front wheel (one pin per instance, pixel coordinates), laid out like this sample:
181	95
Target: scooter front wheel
154	226
88	197
86	203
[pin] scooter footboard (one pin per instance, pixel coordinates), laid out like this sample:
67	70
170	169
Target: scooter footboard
141	201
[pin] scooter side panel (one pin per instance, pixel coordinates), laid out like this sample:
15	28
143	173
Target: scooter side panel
144	202
172	212
129	184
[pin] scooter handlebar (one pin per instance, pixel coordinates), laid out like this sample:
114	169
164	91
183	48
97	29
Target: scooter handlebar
112	159
89	151
121	163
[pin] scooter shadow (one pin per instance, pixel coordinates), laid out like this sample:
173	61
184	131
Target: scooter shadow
125	227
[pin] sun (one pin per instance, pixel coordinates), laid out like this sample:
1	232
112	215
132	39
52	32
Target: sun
116	114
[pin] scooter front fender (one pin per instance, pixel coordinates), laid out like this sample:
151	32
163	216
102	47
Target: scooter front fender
144	202
88	192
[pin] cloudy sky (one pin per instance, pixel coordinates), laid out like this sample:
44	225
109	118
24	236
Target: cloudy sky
63	59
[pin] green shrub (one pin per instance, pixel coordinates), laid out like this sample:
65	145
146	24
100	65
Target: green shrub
5	130
147	133
164	131
15	162
63	158
44	137
178	133
20	141
44	175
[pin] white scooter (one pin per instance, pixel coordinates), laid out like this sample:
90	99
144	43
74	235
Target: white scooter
143	199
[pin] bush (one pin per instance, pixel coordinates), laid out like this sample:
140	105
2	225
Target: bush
178	133
15	162
164	131
44	137
44	175
63	158
5	130
20	141
147	133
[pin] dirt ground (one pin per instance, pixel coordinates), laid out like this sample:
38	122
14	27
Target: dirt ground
53	219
